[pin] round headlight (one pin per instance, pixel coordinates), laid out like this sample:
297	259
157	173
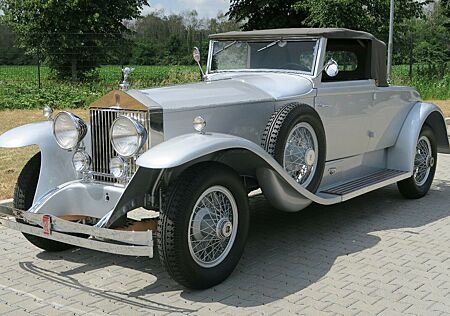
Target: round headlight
118	167
81	161
127	136
69	130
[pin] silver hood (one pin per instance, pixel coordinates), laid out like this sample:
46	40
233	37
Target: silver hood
219	90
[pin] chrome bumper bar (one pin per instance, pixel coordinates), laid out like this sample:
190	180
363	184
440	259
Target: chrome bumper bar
128	243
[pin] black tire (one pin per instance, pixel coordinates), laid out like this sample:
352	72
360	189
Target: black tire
172	232
280	125
408	187
23	199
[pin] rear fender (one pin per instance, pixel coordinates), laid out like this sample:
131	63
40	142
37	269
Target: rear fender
56	163
401	155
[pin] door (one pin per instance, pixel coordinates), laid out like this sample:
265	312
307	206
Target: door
344	108
344	101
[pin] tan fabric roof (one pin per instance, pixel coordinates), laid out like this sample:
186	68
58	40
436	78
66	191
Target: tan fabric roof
294	32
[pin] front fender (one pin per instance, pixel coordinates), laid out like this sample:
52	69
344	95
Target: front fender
30	134
56	166
186	148
401	155
281	189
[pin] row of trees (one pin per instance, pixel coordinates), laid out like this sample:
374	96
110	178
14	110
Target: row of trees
74	37
169	39
422	27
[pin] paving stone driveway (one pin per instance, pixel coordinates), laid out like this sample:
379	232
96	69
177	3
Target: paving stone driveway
375	254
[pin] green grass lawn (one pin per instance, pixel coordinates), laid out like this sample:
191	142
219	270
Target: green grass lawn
19	85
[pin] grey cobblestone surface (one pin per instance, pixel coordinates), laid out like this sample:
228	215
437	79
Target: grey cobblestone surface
376	254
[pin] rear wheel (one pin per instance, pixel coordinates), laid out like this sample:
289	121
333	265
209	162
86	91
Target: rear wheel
203	226
425	161
23	199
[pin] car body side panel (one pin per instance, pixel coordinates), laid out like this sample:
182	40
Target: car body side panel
246	120
56	163
390	107
344	110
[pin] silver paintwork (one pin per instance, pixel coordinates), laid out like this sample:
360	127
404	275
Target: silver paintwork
56	163
368	129
401	155
78	197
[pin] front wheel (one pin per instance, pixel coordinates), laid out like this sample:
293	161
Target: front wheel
203	226
425	161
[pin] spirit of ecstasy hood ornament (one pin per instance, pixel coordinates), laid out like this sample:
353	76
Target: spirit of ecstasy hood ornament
124	85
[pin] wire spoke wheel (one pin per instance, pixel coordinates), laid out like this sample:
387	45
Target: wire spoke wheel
301	153
212	227
423	161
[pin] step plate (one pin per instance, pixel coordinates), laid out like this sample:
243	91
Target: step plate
358	184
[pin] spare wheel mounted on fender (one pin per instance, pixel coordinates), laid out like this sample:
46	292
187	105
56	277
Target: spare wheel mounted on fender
295	137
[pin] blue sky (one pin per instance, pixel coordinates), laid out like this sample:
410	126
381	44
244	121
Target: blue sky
205	8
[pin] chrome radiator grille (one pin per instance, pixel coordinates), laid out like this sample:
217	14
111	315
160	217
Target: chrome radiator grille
102	150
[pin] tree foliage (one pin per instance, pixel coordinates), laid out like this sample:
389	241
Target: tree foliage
74	36
432	52
365	15
161	39
264	14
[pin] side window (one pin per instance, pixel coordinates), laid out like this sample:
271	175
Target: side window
346	60
353	58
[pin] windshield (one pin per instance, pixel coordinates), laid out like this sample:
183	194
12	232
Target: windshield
278	54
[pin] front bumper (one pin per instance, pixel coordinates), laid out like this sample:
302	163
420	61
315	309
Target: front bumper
129	243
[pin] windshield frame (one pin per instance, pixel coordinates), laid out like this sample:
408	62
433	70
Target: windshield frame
303	39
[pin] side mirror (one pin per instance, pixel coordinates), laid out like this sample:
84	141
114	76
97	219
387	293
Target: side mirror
197	58
196	55
332	68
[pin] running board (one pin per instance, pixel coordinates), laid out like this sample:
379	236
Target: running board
366	184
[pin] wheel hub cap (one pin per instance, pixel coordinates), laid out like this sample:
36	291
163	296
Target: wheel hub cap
310	157
430	161
224	228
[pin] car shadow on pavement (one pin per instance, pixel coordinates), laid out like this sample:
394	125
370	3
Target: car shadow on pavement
285	253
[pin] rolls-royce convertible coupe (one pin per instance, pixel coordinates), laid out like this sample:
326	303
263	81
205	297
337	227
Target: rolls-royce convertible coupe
304	115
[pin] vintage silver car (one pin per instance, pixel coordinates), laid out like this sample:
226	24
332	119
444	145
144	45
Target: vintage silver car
304	115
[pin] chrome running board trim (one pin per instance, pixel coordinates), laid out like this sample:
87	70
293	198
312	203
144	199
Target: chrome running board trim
376	180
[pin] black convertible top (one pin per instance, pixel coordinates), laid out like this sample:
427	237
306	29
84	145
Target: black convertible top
378	58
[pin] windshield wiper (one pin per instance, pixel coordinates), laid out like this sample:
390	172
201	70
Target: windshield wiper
225	48
268	46
281	43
